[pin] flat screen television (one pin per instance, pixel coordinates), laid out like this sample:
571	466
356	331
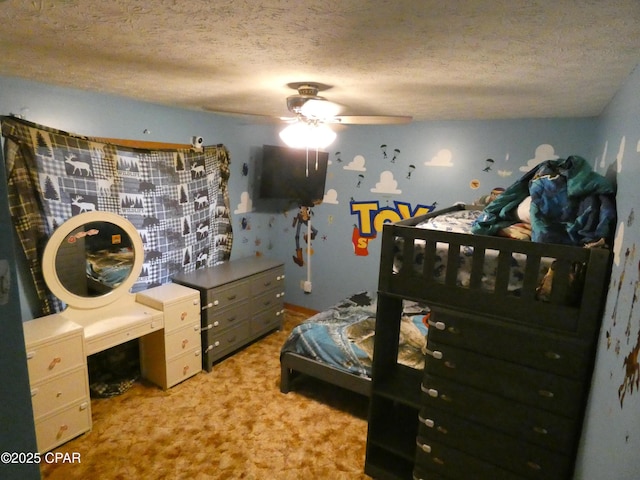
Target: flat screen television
296	175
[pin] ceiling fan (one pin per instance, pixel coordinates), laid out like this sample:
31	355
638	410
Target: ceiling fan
308	106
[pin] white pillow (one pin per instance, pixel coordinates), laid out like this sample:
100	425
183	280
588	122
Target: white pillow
524	210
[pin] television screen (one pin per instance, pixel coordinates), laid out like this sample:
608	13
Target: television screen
293	174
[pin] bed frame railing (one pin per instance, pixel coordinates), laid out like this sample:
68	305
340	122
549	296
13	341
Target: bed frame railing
572	295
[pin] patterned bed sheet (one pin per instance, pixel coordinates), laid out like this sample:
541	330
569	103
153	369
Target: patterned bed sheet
343	335
460	221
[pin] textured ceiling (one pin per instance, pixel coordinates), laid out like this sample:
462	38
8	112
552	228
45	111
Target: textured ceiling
424	58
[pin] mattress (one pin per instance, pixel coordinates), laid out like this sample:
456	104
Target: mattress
343	335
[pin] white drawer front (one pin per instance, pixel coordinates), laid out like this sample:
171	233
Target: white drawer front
183	340
57	393
184	313
183	367
52	359
61	427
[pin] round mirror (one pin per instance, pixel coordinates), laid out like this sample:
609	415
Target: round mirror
92	259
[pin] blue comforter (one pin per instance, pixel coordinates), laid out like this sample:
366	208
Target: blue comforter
343	335
570	204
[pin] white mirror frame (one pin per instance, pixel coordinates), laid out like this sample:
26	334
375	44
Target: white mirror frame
60	235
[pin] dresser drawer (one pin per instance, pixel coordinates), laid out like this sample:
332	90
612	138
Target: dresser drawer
63	426
435	457
179	315
181	341
219	320
272	279
510	453
51	359
266	301
219	344
552	353
223	297
536	388
267	320
515	419
185	366
57	393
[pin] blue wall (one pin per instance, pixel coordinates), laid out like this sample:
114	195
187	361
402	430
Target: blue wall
450	164
611	438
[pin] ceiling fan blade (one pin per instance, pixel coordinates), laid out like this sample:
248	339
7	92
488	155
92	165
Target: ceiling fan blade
371	119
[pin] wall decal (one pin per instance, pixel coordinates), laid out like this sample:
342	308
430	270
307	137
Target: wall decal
371	217
357	164
331	196
302	218
387	184
245	205
543	152
441	159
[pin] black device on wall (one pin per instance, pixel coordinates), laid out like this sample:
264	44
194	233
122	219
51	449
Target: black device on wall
296	175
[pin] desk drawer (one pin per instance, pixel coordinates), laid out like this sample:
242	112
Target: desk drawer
179	315
184	366
54	358
57	393
181	341
63	426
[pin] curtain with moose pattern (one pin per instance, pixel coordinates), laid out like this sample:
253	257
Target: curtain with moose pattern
177	199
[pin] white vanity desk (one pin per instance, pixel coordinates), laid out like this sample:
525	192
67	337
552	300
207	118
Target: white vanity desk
115	325
165	318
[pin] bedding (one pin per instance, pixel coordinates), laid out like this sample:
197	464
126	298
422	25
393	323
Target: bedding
343	335
462	221
570	204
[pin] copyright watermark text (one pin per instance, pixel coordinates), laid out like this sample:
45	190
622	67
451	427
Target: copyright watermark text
33	457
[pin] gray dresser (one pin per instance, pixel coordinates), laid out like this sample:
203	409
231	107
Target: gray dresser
241	300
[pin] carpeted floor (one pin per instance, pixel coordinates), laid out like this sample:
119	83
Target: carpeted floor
231	423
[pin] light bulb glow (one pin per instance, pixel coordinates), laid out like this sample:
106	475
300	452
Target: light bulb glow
307	135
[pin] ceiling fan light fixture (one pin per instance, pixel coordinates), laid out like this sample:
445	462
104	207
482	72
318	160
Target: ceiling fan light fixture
322	109
308	135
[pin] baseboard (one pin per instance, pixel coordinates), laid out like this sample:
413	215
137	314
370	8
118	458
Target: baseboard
300	309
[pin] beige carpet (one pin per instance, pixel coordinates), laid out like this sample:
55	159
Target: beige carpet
231	423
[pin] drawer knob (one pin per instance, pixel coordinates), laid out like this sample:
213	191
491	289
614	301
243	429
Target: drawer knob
540	430
437	325
185	369
185	342
30	355
216	323
183	315
424	447
426	421
63	428
54	362
534	466
552	355
435	354
546	393
34	392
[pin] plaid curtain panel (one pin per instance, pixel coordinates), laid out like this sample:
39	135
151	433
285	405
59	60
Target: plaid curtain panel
177	199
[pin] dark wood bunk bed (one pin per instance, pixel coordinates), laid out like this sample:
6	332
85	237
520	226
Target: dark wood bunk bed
508	362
